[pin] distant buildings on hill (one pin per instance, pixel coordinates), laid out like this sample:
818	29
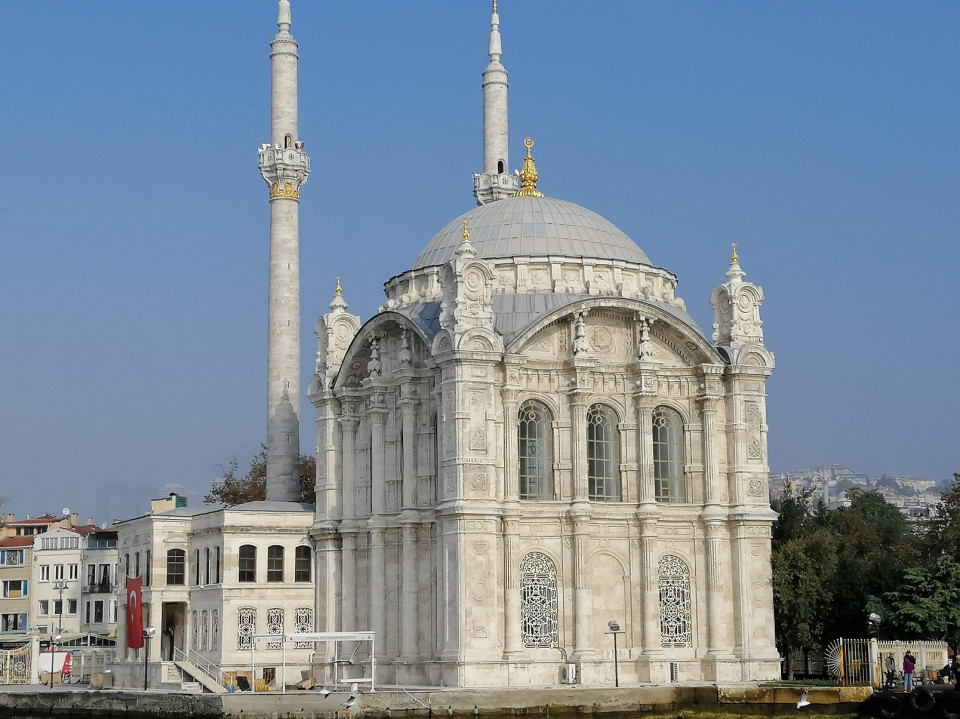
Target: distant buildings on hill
915	497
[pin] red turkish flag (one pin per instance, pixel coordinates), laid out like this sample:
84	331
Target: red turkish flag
134	612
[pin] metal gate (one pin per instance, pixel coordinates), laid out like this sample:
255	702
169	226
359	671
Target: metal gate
851	661
15	665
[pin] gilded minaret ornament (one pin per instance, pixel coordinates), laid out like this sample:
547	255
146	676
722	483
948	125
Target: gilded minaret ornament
529	174
285	167
495	182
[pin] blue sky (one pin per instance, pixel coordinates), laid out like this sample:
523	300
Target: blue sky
821	137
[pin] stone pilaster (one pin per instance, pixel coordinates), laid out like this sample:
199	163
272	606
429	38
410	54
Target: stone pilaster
582	599
348	592
512	641
378	590
409	620
711	466
511	468
579	402
408	418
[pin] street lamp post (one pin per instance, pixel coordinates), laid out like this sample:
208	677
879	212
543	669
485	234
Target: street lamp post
59	586
615	630
147	634
54	641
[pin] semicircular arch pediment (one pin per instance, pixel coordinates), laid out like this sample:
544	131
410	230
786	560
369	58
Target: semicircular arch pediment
354	366
684	338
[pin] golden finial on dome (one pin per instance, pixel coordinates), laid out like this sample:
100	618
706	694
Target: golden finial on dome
494	7
339	291
734	257
466	232
528	174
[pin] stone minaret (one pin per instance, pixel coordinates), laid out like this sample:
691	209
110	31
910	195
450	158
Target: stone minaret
285	167
496	182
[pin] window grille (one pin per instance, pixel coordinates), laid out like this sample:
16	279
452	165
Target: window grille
195	643
303	624
246	624
535	451
204	630
675	629
603	454
538	601
668	455
215	629
274	626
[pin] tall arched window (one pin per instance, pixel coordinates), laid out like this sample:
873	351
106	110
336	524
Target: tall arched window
206	565
275	563
217	564
302	564
668	455
603	454
247	564
246	626
538	601
535	451
176	561
675	629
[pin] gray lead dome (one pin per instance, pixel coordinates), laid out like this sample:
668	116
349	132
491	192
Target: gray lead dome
533	227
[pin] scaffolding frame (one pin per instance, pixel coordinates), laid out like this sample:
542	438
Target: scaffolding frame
337	638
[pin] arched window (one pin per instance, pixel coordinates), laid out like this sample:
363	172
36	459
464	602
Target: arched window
149	577
217	565
196	567
275	626
248	563
538	601
668	455
206	565
535	451
246	626
603	454
500	167
275	563
215	629
204	631
196	631
176	565
302	624
136	571
675	629
301	560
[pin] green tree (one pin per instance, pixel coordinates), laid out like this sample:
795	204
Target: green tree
230	490
874	537
926	604
940	535
804	558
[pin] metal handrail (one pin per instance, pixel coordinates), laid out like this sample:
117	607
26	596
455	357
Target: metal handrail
212	671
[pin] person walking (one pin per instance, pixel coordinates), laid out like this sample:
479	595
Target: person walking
891	668
909	662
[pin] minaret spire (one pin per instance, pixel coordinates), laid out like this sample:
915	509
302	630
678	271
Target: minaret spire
496	182
285	168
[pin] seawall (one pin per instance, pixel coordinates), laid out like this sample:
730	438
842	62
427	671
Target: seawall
705	701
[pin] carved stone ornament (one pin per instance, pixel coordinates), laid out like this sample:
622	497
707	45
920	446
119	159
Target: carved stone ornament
580	345
755	488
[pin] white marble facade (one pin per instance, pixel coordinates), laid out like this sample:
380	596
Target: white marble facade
508	462
531	439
